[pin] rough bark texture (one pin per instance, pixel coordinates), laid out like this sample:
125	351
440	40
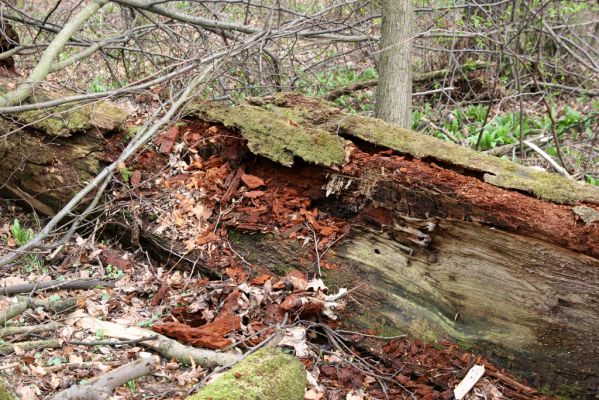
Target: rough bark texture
268	374
394	90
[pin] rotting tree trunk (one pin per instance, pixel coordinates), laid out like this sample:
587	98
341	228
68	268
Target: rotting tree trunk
441	245
445	242
48	155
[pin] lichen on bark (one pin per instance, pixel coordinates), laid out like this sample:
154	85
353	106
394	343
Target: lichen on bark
268	374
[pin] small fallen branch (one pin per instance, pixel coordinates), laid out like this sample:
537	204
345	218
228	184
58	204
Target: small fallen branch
79	284
10	348
12	312
547	157
102	387
466	385
168	348
28	330
26	303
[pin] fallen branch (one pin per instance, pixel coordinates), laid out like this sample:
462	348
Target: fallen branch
547	157
28	330
101	388
10	348
168	348
12	312
110	342
507	148
79	284
41	70
510	382
25	303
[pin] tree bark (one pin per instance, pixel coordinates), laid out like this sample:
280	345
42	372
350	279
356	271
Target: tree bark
394	90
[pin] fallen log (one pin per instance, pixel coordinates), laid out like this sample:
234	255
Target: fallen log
416	78
445	242
167	347
78	284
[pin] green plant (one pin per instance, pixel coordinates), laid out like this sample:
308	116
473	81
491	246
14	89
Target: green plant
97	85
126	174
56	361
100	334
113	272
131	132
132	385
22	236
149	322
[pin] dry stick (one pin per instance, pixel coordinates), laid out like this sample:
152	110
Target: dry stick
28	330
6	349
79	284
12	312
101	388
110	342
547	157
231	26
42	69
25	303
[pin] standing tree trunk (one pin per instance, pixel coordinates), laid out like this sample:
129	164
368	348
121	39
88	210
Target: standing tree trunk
394	91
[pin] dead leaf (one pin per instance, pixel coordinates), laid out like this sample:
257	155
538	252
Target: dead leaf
296	337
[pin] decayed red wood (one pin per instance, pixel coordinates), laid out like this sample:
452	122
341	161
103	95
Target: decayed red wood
420	189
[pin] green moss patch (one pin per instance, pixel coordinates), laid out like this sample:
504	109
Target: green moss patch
268	374
65	121
276	134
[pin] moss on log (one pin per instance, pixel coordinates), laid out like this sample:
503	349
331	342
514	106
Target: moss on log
271	132
288	116
268	374
64	121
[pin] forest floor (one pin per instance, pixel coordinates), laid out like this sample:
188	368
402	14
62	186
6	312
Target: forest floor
190	189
